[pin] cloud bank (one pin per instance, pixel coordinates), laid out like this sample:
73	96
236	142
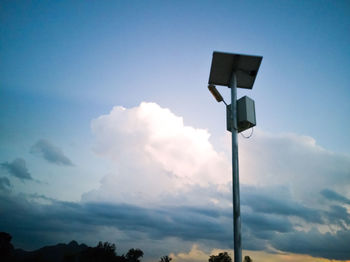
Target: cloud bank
50	153
50	221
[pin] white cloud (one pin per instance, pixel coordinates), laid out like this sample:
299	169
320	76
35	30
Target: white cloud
296	162
155	155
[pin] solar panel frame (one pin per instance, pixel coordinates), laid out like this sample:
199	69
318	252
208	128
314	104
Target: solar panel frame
223	65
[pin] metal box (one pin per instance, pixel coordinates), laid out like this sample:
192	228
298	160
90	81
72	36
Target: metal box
245	114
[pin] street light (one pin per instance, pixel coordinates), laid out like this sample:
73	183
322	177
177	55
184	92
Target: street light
235	71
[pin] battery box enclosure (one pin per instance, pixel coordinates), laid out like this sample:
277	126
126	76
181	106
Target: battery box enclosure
245	114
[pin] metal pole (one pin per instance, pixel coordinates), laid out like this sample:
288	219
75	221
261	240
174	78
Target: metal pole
237	242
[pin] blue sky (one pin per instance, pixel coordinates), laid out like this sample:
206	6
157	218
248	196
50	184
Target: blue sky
65	65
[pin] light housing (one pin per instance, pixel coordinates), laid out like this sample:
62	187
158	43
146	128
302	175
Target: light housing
215	93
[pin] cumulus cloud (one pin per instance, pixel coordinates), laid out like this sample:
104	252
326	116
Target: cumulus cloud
17	168
155	154
50	153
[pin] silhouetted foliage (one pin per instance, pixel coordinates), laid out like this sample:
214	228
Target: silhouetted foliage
102	252
35	258
73	252
70	257
106	252
165	259
221	257
247	259
6	248
133	255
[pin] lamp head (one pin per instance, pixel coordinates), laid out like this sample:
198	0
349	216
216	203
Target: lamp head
215	93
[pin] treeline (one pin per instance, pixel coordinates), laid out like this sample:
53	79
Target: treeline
73	252
104	252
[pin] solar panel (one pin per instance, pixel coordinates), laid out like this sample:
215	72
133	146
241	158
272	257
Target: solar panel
224	64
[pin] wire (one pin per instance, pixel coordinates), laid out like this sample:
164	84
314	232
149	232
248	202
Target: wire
251	133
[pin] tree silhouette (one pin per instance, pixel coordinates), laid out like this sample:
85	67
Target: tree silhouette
133	255
247	259
221	257
102	252
6	248
165	259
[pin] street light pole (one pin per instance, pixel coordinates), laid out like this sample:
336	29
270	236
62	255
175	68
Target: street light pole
235	71
237	243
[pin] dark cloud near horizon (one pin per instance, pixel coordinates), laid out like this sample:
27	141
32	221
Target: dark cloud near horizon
73	218
50	153
44	222
334	196
266	223
314	243
17	168
277	201
337	215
